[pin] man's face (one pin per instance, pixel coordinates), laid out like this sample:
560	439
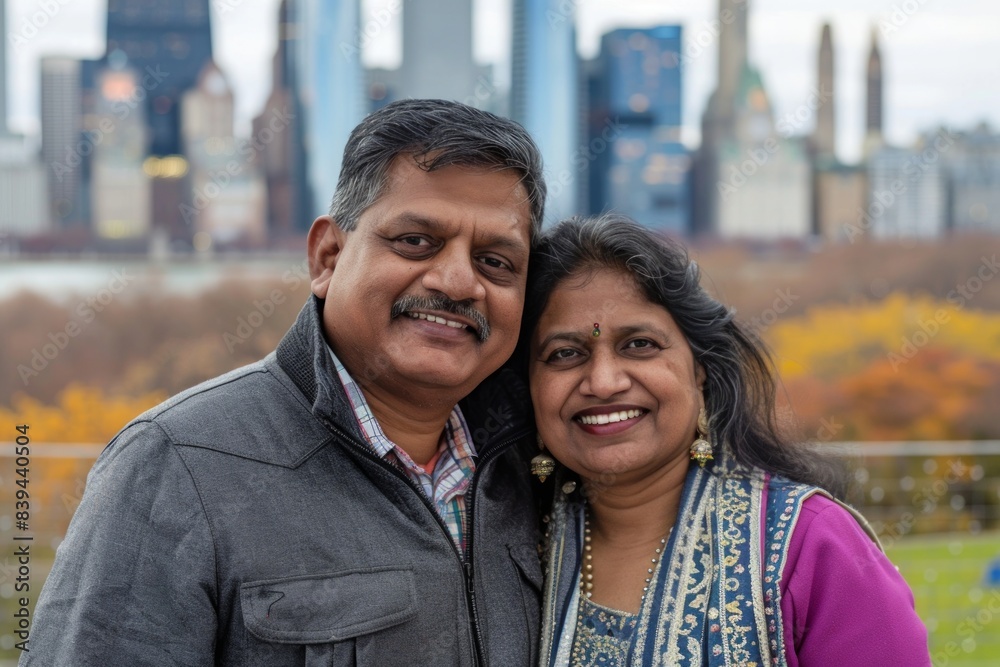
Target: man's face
426	293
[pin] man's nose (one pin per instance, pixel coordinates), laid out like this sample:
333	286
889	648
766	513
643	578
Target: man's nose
454	274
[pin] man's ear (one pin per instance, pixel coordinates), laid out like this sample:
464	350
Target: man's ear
323	247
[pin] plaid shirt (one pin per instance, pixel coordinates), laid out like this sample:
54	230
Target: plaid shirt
446	483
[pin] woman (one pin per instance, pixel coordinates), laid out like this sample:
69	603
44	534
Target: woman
685	530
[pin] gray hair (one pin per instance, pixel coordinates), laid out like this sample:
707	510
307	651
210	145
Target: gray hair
739	386
437	133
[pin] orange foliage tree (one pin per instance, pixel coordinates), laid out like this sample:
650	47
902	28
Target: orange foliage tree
905	368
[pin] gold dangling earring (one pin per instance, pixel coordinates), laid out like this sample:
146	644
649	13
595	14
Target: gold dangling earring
542	465
701	448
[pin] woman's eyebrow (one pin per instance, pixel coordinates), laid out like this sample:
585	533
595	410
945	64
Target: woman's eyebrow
569	336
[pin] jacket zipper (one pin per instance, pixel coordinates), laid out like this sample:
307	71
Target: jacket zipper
467	565
469	519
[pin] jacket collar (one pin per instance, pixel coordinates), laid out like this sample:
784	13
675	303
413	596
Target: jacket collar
498	409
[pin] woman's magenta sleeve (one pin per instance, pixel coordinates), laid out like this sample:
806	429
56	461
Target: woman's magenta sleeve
842	601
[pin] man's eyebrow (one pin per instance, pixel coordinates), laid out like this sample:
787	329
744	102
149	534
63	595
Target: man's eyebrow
505	242
490	240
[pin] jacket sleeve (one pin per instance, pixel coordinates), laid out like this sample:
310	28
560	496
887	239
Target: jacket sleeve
844	603
134	581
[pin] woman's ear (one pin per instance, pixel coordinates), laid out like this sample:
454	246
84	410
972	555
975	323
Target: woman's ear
700	376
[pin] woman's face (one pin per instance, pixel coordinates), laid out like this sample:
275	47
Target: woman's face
623	403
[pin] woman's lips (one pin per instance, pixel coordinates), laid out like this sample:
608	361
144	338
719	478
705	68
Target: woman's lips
609	421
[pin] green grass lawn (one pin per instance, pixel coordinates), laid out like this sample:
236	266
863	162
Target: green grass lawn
962	614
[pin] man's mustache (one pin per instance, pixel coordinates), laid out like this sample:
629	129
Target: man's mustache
442	303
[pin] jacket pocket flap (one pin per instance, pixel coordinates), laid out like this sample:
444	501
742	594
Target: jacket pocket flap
526	557
313	609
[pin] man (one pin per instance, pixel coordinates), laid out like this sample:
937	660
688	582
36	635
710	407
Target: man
360	496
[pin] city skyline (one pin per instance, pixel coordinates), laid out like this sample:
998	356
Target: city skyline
928	79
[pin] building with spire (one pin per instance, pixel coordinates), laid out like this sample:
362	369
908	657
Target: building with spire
752	181
824	141
290	207
874	98
545	96
839	190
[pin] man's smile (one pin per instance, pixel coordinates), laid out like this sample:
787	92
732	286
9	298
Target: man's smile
447	320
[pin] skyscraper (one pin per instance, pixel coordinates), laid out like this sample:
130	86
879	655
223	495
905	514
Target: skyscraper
3	68
330	88
173	39
228	191
121	201
636	109
874	99
825	135
733	47
437	50
289	201
545	94
22	179
61	127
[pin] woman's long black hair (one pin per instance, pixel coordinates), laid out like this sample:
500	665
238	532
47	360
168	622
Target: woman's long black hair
739	386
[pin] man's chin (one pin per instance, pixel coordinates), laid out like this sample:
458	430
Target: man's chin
444	371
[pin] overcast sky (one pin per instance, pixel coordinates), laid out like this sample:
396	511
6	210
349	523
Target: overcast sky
939	56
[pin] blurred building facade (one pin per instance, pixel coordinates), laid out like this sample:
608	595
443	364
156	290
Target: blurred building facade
329	86
438	60
752	181
23	197
545	96
229	200
61	122
283	160
973	173
120	177
640	167
840	190
169	41
138	149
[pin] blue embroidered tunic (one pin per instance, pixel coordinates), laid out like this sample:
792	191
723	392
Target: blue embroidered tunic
603	636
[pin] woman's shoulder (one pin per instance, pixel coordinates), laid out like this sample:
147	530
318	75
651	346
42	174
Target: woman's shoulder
837	577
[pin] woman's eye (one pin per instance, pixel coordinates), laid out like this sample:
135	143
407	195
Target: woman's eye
640	344
562	354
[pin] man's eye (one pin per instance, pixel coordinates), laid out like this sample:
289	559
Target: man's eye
414	240
494	262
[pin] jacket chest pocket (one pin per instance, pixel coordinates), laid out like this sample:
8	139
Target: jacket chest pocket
315	620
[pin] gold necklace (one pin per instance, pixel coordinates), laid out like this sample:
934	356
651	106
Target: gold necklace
587	567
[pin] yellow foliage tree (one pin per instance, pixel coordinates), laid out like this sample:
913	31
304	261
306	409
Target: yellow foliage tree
837	340
82	416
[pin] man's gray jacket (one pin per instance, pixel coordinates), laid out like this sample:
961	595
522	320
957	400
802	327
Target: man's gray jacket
246	522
